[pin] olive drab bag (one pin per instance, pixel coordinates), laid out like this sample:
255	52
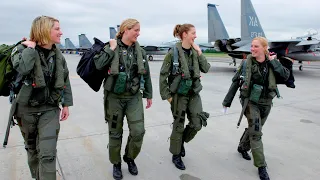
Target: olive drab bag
7	74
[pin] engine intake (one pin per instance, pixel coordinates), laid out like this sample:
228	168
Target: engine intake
225	45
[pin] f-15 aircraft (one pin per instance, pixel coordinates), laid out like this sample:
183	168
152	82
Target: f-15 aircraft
69	47
160	49
84	43
218	37
113	32
301	48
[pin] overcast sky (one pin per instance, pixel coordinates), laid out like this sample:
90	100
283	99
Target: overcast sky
279	19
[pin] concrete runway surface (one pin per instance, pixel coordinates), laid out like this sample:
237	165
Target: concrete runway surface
290	135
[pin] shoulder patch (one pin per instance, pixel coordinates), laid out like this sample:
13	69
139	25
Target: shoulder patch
14	50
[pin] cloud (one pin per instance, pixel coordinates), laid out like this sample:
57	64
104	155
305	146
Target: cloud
279	19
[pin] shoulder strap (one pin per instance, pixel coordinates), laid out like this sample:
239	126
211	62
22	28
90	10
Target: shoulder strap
175	66
243	68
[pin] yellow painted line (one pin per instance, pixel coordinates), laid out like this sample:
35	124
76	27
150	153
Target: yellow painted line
74	77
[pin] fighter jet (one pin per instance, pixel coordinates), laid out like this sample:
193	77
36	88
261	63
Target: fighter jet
300	49
68	47
113	31
84	44
159	49
218	37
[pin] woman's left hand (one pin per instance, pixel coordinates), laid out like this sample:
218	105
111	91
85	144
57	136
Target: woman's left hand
197	48
149	103
64	113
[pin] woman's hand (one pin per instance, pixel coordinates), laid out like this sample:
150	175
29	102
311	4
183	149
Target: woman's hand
197	48
64	113
149	103
29	44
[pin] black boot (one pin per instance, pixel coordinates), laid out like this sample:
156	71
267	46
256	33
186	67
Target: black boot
132	167
244	154
183	151
176	159
290	84
117	173
263	173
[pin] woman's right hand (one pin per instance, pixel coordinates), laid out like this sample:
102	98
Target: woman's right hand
224	109
272	56
169	100
29	44
113	44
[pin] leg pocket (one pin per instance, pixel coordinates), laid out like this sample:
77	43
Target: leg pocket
29	130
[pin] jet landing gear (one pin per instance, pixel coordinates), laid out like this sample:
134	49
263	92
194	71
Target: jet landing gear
234	62
150	58
300	67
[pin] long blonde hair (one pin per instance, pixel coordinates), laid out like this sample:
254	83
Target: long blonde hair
264	43
126	24
41	29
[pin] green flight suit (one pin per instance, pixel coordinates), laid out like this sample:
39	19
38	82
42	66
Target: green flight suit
128	103
256	112
181	105
37	108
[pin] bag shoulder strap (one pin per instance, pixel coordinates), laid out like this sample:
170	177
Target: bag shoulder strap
175	66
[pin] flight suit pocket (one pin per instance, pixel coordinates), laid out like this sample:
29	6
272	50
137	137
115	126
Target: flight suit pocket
185	86
39	96
120	85
255	93
135	85
197	87
109	83
175	84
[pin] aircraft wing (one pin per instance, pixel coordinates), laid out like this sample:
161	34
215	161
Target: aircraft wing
286	41
241	43
156	46
310	42
245	48
207	45
301	42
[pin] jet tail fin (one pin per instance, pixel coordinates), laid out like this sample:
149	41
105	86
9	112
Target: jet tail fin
113	32
216	28
84	41
118	28
69	44
250	24
60	46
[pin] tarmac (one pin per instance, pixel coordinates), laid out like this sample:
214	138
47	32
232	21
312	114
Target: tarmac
290	135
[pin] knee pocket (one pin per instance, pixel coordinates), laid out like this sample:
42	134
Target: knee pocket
255	136
138	137
196	123
47	156
179	128
115	134
197	128
115	139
